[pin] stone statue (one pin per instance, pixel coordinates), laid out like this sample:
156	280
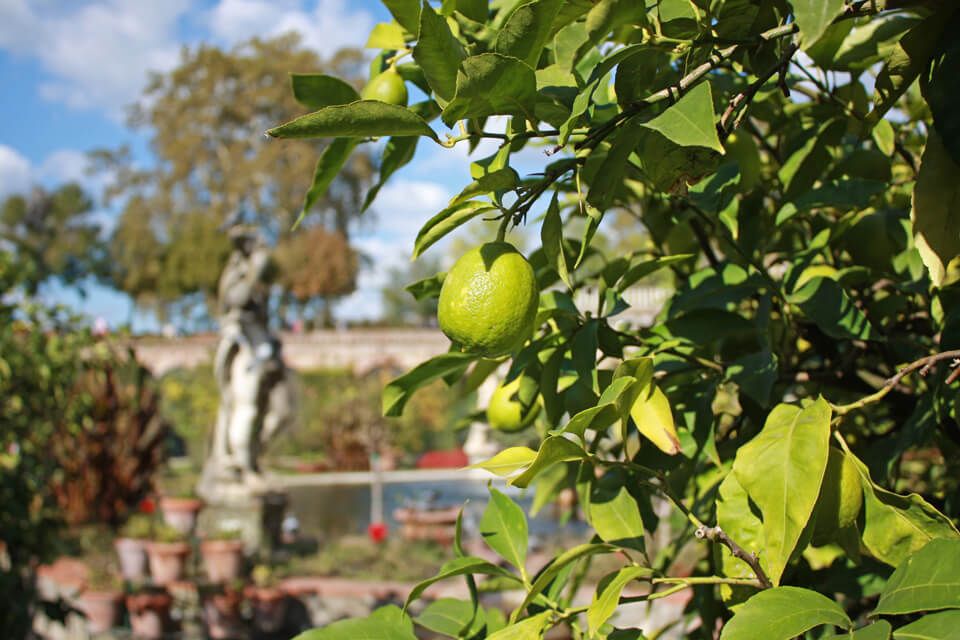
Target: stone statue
256	391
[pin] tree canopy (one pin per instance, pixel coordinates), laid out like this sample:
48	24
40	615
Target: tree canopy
796	167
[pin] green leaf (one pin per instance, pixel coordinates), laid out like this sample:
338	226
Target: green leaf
782	613
361	119
504	529
468	565
939	87
935	626
904	64
427	288
736	517
640	268
551	239
438	53
396	153
936	208
884	137
387	623
607	597
690	122
608	410
446	221
386	35
557	565
615	515
527	30
528	629
406	12
328	166
895	526
398	391
813	18
607	15
926	581
825	302
879	630
755	374
476	10
553	449
499	180
492	84
508	461
609	176
781	470
447	616
316	90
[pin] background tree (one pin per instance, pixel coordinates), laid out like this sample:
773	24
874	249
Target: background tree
52	235
211	164
400	306
795	402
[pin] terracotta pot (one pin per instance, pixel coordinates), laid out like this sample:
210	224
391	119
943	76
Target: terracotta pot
101	608
168	560
181	513
223	559
149	614
133	558
221	614
269	607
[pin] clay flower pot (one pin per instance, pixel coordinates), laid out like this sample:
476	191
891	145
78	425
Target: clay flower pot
269	607
223	559
168	560
132	554
221	614
181	513
101	608
149	614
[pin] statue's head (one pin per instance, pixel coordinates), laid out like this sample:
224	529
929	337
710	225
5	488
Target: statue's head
244	237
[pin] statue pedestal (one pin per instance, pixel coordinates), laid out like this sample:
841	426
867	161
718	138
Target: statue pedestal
258	516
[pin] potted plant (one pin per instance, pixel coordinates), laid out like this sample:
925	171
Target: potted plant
131	547
221	605
223	555
167	553
99	601
180	509
149	609
267	599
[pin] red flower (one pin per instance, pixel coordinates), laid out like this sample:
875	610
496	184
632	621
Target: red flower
377	531
147	506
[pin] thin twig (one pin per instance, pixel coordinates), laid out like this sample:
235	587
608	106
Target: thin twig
746	96
716	534
923	366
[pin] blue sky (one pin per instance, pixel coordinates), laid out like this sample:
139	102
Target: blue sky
68	67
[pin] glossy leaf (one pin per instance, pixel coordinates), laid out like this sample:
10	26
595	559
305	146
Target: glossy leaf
526	30
895	526
904	64
934	626
551	239
447	616
508	461
813	17
406	12
553	449
386	35
736	517
825	302
926	581
446	221
387	623
316	90
781	469
939	87
468	565
328	166
690	122
782	613
504	529
361	119
438	53
615	515
499	180
640	268
528	629
936	208
398	391
427	288
607	597
561	562
755	374
491	84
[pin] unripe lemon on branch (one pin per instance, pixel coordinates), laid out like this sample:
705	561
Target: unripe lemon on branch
489	299
387	87
513	405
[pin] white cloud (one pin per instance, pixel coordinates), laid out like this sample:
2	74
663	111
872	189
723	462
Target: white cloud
328	26
15	172
98	54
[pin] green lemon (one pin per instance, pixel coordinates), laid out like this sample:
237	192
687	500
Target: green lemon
507	410
387	87
488	301
840	500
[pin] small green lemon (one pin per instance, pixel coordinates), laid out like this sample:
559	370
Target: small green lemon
840	500
489	299
387	87
507	411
